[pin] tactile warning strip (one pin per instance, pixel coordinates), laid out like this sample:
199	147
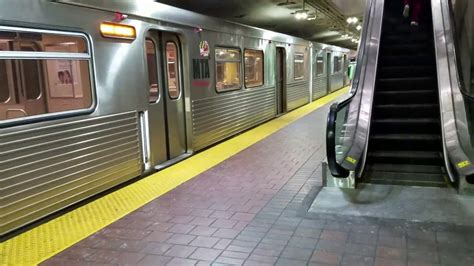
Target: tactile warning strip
48	239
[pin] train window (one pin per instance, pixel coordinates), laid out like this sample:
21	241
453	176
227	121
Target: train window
152	70
172	69
4	89
47	73
228	62
253	68
299	66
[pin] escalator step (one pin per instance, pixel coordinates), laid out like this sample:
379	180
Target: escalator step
404	111
407	168
403	49
406	60
396	142
406	179
406	126
420	37
420	83
406	96
406	71
406	157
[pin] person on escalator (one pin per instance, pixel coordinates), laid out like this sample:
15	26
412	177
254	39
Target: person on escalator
416	7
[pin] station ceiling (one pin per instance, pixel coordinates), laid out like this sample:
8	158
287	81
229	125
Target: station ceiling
327	18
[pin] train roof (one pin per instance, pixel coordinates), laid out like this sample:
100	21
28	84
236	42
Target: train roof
157	11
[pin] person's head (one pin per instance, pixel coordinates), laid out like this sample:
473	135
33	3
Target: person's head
67	76
61	76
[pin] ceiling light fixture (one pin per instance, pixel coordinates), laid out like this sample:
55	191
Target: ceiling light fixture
359	27
302	14
352	20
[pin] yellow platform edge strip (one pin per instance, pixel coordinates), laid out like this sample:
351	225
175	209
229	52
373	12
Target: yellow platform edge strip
48	239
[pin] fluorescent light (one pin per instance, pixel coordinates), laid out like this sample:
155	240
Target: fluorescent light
352	20
303	14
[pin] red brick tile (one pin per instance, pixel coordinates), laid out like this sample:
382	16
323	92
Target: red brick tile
241	216
207	254
158	236
203	221
180	251
326	257
181	228
222	214
224	223
226	233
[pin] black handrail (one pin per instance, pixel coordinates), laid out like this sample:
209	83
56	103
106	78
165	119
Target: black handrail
334	167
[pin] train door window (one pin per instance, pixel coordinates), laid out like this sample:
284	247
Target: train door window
299	69
320	63
53	66
228	62
172	67
152	70
253	68
4	88
337	64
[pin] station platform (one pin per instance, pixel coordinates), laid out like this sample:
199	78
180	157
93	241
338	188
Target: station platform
245	201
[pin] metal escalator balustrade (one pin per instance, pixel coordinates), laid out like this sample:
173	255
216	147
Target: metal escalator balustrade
410	122
349	120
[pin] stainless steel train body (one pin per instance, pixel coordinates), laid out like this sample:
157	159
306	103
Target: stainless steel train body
82	113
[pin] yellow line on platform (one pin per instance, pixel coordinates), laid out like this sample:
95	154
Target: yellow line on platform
48	239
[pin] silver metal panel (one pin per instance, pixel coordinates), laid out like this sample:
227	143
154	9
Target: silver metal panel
51	167
337	81
220	117
456	139
297	94
320	87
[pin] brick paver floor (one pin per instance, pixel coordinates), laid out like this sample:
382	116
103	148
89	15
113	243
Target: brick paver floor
251	210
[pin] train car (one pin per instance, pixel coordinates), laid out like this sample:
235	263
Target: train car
329	65
95	93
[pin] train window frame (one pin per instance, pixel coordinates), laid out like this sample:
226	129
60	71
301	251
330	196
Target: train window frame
157	63
43	56
294	66
240	68
263	69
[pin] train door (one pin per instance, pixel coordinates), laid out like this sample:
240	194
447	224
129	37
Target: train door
328	70
166	121
281	79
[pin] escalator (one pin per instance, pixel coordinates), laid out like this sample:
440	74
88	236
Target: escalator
405	137
406	120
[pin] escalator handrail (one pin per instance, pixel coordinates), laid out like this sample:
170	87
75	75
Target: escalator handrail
335	168
450	83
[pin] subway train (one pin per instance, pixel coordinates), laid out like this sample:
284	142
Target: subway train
95	93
